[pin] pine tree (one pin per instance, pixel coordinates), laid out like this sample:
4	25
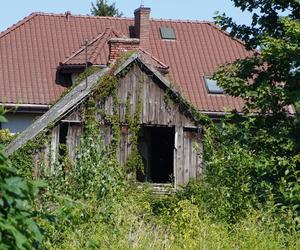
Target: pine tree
102	8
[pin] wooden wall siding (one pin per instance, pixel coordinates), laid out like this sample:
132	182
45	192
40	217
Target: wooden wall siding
145	149
74	116
124	146
156	111
72	142
54	148
178	156
187	155
193	155
73	139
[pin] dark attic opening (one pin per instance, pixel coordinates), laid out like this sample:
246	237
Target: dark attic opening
156	146
63	133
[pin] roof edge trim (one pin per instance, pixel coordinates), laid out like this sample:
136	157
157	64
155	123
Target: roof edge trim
18	24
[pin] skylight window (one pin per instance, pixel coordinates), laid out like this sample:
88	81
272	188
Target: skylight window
212	86
167	33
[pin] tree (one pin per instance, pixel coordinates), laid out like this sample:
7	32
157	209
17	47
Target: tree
18	230
269	82
102	8
274	67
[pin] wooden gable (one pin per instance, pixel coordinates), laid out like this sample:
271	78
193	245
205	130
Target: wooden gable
139	86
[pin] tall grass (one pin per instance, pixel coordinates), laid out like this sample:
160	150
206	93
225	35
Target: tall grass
93	206
132	223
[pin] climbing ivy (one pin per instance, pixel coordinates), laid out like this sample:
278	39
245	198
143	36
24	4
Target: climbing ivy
23	157
171	94
134	161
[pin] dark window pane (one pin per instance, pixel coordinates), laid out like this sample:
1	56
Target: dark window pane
167	33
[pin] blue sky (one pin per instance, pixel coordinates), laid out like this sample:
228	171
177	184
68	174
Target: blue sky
13	11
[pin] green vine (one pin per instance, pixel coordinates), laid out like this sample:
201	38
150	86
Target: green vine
23	157
134	161
120	61
186	107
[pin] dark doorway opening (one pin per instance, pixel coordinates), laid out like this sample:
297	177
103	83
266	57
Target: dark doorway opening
156	146
63	133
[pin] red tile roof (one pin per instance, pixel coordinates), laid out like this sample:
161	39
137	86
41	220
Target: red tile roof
31	50
97	50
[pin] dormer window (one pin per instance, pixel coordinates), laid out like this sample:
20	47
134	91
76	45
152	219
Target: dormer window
212	86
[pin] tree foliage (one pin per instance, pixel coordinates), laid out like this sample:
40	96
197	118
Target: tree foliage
102	8
18	230
274	66
260	149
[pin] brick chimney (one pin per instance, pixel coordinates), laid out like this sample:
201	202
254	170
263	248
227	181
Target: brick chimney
142	26
119	46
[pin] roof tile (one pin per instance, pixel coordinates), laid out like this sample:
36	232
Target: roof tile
31	50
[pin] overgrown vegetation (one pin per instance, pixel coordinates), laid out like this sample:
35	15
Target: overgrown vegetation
249	195
18	228
93	206
268	141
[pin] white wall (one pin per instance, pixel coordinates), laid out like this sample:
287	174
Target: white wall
17	122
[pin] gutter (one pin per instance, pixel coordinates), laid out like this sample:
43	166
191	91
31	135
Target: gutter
219	114
39	108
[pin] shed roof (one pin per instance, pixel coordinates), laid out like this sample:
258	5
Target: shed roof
31	50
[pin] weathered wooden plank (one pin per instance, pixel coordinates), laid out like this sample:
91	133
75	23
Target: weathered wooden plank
175	164
186	154
54	148
179	153
199	166
150	102
123	145
46	159
120	92
162	114
144	101
73	139
127	145
157	104
147	113
193	158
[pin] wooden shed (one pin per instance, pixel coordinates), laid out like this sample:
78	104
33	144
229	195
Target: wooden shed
169	139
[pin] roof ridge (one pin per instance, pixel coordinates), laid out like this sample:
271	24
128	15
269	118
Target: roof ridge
103	35
126	18
18	24
34	14
101	44
153	57
81	48
180	20
79	15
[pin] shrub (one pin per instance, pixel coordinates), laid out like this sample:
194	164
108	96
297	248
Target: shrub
18	228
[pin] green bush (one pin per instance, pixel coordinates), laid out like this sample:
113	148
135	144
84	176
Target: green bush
18	228
249	165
